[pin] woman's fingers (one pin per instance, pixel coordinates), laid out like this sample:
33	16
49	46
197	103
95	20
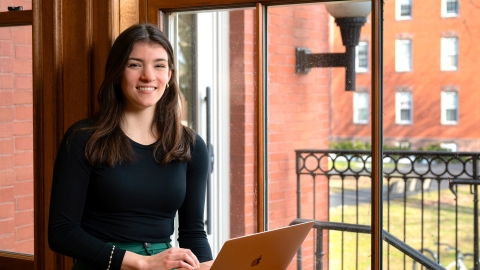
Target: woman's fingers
178	258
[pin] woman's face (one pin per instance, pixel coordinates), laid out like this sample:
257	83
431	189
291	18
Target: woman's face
145	76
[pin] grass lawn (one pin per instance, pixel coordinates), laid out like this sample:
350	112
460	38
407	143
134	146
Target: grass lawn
404	222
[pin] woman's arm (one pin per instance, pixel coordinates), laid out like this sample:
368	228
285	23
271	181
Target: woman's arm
191	214
69	190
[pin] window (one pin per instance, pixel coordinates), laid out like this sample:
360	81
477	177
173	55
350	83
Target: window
449	8
361	56
403	108
404	9
360	108
452	147
449	108
449	58
403	55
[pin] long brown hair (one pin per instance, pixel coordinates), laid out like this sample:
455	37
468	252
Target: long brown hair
108	144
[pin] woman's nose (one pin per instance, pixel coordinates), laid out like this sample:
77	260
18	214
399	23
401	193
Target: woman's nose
147	75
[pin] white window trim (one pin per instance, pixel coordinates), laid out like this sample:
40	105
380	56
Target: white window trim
398	66
445	14
444	54
444	120
398	108
355	112
358	68
398	12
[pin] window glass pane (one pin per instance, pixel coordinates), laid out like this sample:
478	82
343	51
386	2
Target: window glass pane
311	136
216	68
16	139
404	9
403	55
449	53
419	207
449	8
362	56
361	107
26	4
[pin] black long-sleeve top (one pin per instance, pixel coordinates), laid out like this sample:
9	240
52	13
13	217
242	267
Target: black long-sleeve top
131	202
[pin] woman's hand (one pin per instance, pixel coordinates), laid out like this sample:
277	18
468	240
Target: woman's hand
165	260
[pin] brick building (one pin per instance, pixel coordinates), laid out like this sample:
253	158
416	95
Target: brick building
430	78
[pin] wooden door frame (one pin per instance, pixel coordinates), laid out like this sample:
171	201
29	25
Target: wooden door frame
154	15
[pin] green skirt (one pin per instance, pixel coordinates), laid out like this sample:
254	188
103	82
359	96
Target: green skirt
145	249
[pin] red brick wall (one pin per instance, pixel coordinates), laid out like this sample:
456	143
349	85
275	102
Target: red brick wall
298	116
16	141
426	79
242	157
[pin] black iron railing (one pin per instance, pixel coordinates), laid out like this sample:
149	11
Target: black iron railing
416	195
320	226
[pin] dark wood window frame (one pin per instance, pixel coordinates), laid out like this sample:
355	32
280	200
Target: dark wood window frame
11	260
153	14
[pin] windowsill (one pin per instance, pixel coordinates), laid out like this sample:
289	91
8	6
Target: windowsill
403	18
361	123
404	123
403	71
450	123
448	69
450	15
361	71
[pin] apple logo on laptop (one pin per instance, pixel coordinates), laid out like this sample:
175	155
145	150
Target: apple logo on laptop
256	261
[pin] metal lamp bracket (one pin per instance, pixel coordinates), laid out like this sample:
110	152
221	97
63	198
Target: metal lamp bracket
350	31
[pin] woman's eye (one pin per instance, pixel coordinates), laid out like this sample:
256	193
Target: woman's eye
133	65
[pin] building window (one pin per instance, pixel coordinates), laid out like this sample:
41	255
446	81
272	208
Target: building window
452	147
360	107
403	55
404	9
449	108
449	58
449	8
361	56
403	108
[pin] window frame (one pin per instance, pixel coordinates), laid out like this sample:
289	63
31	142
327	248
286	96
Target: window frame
9	259
399	62
444	8
445	54
153	14
362	47
356	98
444	107
398	10
398	107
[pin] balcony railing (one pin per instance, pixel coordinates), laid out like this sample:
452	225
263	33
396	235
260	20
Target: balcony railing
430	198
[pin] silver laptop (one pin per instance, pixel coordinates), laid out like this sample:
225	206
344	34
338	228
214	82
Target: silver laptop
270	250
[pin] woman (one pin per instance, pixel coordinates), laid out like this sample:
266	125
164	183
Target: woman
121	176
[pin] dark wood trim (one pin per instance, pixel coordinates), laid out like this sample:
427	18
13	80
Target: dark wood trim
16	18
71	40
142	10
16	261
260	112
377	134
184	5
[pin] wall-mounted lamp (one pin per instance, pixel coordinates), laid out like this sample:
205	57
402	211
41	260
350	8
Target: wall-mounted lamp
350	17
